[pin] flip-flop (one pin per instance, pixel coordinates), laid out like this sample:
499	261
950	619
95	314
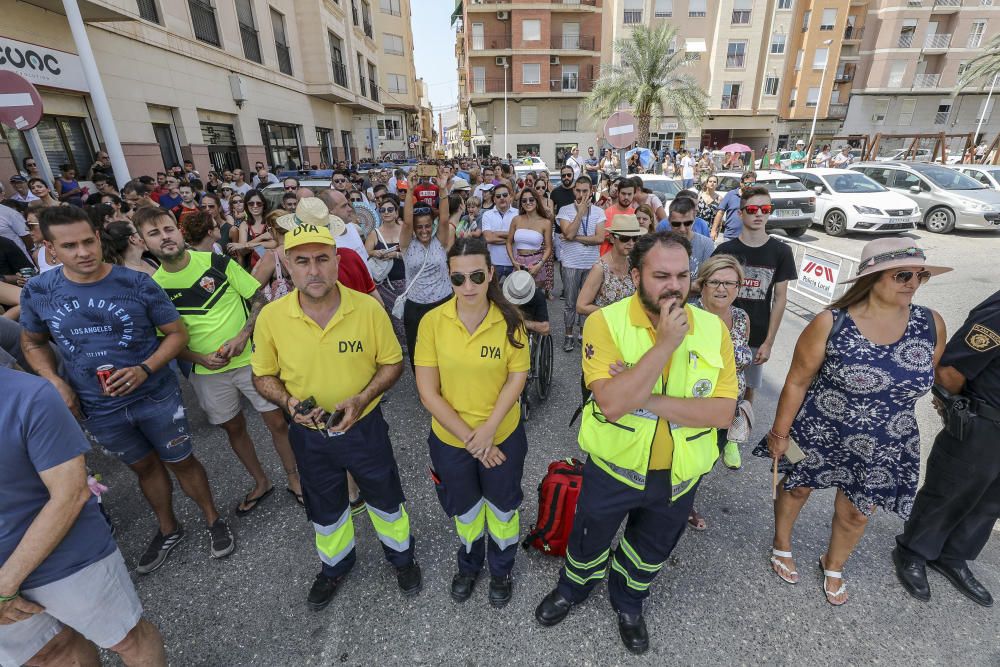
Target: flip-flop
253	502
298	496
832	574
697	521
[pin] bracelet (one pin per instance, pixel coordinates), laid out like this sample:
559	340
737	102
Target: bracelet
776	436
8	598
149	371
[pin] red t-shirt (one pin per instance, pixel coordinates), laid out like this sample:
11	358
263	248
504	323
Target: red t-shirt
610	213
426	193
354	272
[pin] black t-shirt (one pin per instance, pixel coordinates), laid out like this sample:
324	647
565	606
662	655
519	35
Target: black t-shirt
763	267
974	351
536	310
12	257
561	197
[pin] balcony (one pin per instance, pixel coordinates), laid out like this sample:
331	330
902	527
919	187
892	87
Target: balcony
937	42
632	16
368	29
374	91
941	117
251	45
730	101
488	86
363	84
497	42
837	111
942	6
852	33
737	61
339	74
905	40
926	80
570	85
845	74
572	42
492	5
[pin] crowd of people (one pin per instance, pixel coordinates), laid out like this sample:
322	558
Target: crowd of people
114	297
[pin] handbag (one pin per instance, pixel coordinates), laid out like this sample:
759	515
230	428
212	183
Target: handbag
379	268
400	303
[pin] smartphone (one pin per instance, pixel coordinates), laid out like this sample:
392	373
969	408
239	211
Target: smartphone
335	418
427	170
306	406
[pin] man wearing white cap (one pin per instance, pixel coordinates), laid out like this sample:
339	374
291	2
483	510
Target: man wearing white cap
798	158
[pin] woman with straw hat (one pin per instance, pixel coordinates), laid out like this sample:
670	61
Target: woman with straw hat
858	369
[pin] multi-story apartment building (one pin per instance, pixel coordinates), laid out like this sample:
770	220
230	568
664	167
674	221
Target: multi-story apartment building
398	129
543	56
225	83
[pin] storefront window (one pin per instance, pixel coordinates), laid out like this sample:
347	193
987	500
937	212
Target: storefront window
281	143
526	150
221	141
65	139
324	138
165	140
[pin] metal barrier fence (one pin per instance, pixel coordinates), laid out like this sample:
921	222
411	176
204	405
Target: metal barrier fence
819	270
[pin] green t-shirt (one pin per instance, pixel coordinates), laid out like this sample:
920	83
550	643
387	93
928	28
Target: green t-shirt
210	294
797	155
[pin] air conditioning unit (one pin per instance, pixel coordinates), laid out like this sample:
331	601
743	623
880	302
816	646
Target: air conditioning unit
554	60
503	16
878	118
501	61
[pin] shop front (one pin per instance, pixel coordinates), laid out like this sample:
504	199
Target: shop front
281	145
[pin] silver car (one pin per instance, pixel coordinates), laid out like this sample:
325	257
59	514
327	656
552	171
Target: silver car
949	199
987	174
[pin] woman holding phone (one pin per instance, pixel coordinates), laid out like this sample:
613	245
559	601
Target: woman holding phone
471	365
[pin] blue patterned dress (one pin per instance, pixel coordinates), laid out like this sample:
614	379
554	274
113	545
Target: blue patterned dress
856	425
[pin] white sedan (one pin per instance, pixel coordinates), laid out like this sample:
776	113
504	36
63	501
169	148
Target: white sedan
848	201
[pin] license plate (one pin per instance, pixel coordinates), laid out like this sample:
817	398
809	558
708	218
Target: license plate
788	212
908	221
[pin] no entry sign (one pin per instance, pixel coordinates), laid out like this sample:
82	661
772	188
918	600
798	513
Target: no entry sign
619	129
20	103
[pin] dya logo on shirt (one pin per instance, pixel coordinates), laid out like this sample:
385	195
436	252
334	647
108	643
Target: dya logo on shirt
350	346
489	352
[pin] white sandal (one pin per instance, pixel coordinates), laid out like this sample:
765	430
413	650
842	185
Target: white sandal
833	575
787	578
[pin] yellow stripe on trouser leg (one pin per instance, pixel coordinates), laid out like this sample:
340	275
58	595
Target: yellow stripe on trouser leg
577	571
629	581
393	528
471	525
335	541
634	557
503	526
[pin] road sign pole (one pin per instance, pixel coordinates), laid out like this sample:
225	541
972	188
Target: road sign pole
38	152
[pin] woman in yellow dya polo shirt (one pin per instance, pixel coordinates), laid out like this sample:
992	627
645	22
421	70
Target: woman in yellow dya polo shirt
471	364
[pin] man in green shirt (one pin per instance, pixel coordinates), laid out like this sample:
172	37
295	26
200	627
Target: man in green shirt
211	292
798	158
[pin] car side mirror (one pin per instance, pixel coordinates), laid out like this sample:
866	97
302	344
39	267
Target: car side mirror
915	189
818	189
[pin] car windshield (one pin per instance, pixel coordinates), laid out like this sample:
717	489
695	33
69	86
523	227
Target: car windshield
949	179
782	185
664	189
853	183
995	173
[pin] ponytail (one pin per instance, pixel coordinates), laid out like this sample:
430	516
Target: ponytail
471	245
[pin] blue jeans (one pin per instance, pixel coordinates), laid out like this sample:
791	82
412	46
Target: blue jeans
154	423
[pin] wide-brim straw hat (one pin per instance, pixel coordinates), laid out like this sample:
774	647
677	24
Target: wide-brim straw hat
312	211
892	253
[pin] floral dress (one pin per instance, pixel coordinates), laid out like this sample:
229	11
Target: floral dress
856	426
740	334
614	288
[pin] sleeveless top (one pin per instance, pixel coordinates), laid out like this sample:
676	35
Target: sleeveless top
258	251
433	283
528	239
613	287
43	264
398	270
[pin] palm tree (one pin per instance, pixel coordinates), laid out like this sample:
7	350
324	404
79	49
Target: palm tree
984	67
646	76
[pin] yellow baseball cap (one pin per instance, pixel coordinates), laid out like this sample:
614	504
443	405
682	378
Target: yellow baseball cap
303	234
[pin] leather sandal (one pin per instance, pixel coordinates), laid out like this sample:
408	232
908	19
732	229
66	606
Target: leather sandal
832	574
783	571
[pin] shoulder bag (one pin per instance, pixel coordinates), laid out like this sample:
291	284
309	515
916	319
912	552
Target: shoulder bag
379	268
400	303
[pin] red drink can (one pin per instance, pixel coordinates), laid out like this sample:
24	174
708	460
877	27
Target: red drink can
104	375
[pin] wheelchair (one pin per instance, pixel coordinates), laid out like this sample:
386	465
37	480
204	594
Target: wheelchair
539	375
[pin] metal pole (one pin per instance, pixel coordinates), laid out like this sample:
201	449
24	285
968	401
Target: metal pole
505	111
982	116
97	95
822	82
38	152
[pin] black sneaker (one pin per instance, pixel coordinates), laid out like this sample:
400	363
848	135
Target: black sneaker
322	591
159	549
223	543
501	590
568	344
409	579
462	585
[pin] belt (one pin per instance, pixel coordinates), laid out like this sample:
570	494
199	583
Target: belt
985	411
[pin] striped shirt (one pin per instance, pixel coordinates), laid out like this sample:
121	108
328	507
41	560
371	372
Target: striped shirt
573	254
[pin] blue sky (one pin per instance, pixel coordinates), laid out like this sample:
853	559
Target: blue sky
434	50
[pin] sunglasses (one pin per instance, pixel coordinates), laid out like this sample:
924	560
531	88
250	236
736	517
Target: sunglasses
356	200
387	209
255	203
623	238
477	277
422	210
501	194
340	180
681	223
753	209
289	188
903	277
528	200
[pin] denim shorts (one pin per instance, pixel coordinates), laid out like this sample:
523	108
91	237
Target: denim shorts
154	423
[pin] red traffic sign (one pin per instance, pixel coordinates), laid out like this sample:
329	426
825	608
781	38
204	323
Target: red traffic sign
619	129
20	103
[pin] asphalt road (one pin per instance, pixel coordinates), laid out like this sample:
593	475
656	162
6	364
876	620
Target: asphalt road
716	603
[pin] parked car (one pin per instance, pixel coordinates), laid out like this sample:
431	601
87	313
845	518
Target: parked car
987	174
948	198
848	201
920	155
664	187
794	205
275	191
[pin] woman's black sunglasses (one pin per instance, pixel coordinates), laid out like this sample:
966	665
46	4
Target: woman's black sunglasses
478	277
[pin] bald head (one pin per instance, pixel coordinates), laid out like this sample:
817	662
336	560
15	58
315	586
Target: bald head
338	204
305	192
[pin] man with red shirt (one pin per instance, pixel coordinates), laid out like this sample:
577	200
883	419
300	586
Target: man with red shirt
188	202
426	192
623	206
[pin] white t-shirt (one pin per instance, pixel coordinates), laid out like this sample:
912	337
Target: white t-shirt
351	238
576	166
687	167
493	221
576	255
242	189
841	160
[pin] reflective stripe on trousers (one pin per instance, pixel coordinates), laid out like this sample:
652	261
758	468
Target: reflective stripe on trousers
336	541
393	529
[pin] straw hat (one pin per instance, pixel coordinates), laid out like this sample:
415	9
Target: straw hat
312	211
892	253
625	224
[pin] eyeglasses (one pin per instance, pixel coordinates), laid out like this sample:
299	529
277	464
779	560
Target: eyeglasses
478	277
501	194
681	223
624	239
728	284
903	277
255	203
753	209
387	209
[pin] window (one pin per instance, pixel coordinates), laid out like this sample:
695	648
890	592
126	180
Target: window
390	129
65	139
906	32
632	12
531	74
479	79
697	8
829	19
906	108
798	59
366	18
943	111
396	83
897	70
812	97
976	34
730	96
220	138
362	79
736	54
529	116
203	21
793	97
373	81
570	36
354	12
392	44
962	67
165	141
820	58
663	9
881	109
324	139
741	12
248	31
571	77
281	43
478	37
531	30
390	7
567	118
771	86
337	60
806	15
784	4
778	43
147	10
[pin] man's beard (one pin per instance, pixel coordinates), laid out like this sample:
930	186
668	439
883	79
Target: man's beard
652	304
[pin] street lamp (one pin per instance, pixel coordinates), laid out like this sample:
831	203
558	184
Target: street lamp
819	98
505	66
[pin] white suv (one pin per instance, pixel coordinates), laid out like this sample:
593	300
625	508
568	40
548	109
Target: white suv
847	201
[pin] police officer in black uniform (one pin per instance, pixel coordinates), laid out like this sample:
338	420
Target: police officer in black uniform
955	510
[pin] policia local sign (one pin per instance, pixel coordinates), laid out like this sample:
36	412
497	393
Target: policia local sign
818	276
41	65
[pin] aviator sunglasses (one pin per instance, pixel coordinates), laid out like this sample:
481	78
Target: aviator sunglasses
478	277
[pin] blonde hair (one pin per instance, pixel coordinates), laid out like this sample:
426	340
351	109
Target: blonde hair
713	265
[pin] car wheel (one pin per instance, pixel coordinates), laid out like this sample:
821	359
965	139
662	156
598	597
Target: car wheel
939	220
835	223
796	233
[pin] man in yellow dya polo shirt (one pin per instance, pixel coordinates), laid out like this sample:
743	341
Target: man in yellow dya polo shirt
649	430
336	347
